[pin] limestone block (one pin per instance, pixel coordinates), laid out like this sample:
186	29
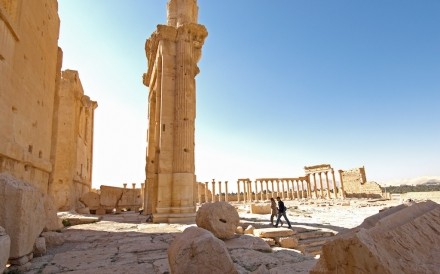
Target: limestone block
22	214
53	238
273	232
247	242
249	230
39	247
260	208
197	250
100	211
91	200
239	230
287	242
404	239
220	218
5	245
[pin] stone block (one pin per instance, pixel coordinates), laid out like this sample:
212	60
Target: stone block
197	250
5	246
91	200
260	208
220	218
287	242
22	214
269	241
403	239
273	232
84	210
247	242
239	230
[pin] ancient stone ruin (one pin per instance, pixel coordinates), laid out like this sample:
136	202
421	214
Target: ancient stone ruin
173	51
46	122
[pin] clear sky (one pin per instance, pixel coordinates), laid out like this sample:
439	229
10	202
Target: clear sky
283	84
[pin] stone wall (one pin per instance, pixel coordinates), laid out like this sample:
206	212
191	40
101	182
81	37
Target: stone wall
356	185
73	142
31	111
28	66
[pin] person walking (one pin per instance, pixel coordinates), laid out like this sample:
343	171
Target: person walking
281	212
273	206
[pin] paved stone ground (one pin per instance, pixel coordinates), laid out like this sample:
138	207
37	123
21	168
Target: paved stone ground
124	243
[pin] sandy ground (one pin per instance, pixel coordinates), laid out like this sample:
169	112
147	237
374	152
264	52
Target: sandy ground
125	243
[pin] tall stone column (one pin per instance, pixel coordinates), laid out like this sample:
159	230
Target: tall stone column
342	184
302	189
283	196
320	183
226	191
213	191
206	192
219	191
173	52
238	191
256	190
309	187
297	190
267	189
335	188
262	192
273	189
315	185
250	190
328	185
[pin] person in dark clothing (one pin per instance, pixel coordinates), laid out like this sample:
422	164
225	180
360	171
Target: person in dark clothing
273	206
281	212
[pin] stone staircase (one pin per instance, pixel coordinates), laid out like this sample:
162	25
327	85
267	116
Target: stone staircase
311	239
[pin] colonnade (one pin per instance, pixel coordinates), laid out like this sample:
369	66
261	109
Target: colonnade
320	190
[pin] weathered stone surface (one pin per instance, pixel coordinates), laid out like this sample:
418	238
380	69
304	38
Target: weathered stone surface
247	242
239	230
197	250
5	246
220	218
22	214
273	232
398	240
39	247
91	200
287	242
83	210
71	218
260	208
118	198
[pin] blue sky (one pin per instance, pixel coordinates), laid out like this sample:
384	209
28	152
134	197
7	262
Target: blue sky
283	84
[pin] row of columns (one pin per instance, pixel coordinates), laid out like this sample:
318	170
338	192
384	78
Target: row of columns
315	187
286	188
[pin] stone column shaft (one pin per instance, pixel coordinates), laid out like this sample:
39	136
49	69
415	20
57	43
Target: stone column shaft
335	188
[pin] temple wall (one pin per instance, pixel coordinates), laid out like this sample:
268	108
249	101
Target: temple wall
28	66
73	142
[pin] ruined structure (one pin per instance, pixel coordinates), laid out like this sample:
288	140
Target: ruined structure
173	52
37	163
321	170
72	151
356	185
112	198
